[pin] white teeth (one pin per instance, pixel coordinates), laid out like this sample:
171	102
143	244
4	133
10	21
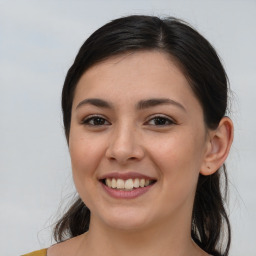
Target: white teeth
136	183
142	183
108	182
120	184
127	184
113	183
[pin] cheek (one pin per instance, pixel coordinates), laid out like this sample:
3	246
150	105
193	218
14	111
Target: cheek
178	149
85	155
84	158
178	159
178	165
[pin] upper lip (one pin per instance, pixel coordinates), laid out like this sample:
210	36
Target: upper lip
126	176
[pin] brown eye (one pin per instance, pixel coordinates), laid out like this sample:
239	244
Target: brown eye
95	121
160	121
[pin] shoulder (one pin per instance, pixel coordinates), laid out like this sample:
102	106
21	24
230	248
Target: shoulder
42	252
64	248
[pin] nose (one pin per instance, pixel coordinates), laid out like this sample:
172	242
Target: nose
124	145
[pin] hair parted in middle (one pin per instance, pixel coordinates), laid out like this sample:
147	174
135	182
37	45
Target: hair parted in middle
200	64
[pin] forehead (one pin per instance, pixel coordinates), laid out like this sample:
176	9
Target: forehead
142	64
130	77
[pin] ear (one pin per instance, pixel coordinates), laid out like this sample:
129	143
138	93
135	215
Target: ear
218	146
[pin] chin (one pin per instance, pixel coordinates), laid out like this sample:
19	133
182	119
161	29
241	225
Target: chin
126	220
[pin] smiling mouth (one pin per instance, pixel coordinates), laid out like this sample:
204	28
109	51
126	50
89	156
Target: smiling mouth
128	184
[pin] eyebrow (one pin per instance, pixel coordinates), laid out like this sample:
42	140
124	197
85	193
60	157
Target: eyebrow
143	104
95	102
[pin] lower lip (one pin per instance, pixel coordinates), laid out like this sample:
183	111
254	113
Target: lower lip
125	194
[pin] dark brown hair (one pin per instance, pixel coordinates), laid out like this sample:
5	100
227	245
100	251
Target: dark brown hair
200	64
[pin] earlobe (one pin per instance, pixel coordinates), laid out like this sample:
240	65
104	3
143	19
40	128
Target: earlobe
218	147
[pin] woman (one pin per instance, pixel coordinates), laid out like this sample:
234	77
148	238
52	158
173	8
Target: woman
144	113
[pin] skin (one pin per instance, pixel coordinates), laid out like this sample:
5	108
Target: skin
127	139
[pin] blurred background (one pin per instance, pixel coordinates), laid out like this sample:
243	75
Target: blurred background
38	43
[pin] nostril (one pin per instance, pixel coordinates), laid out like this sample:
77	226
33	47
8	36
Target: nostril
123	151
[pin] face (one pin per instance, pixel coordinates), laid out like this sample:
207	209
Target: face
137	141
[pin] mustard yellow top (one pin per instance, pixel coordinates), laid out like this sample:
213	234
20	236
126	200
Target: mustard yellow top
42	252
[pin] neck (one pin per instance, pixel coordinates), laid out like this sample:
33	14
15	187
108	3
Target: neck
173	239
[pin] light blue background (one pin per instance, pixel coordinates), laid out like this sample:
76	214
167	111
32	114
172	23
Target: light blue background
38	42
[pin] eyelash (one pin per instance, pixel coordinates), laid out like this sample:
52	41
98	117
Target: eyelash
87	120
163	118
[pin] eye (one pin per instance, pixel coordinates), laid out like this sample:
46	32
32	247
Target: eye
160	121
95	121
